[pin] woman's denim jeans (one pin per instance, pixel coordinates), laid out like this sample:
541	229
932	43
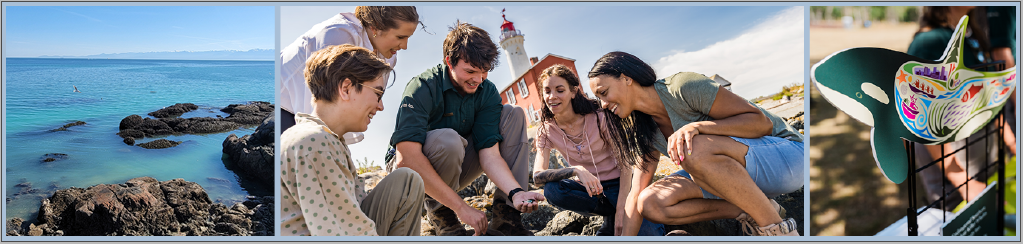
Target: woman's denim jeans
571	195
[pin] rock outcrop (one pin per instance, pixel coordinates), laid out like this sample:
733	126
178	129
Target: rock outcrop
50	157
174	110
565	223
64	128
252	155
796	122
144	206
136	127
159	144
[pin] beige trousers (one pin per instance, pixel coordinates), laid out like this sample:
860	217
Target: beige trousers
458	163
395	203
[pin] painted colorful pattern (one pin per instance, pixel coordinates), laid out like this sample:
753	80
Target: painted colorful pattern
936	101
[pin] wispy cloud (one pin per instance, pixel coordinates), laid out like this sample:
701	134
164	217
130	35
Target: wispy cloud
81	15
758	62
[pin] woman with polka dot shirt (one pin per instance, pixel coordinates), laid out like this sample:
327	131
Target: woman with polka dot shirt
321	193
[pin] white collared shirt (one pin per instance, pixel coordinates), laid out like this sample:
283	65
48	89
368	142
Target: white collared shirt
343	28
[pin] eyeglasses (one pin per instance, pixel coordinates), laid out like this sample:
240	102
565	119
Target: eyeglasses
380	93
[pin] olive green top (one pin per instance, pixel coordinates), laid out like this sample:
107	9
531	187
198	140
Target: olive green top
688	98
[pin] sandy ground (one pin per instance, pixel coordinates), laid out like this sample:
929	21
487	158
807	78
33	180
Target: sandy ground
827	40
848	193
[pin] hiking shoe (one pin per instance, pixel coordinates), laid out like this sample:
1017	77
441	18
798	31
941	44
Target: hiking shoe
787	227
445	222
508	220
749	226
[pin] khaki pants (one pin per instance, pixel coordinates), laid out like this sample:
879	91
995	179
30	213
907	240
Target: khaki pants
395	203
458	163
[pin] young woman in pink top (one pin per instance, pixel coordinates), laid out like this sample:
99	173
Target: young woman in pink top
572	124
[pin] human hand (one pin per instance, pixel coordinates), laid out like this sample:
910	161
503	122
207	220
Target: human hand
680	143
527	201
592	184
473	217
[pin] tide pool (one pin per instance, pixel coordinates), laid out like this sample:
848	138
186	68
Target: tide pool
40	98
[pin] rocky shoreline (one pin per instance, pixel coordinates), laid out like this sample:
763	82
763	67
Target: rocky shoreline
144	206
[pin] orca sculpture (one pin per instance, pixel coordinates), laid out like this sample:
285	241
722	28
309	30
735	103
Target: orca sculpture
905	97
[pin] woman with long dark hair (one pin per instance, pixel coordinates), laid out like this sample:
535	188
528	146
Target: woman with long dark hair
573	124
735	155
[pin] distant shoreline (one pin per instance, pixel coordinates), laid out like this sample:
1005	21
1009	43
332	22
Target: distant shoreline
154	59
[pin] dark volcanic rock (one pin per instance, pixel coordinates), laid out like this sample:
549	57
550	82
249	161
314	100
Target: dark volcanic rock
63	128
130	122
167	122
174	110
205	126
145	206
252	155
131	133
159	144
248	114
155	127
50	157
129	140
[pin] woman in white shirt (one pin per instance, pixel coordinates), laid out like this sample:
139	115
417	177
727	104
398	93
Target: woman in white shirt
381	29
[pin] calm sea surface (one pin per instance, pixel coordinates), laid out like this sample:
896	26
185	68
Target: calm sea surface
39	97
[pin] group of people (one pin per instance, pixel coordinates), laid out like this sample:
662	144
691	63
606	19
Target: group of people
451	128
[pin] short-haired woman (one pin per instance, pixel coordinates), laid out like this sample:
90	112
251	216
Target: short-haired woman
320	188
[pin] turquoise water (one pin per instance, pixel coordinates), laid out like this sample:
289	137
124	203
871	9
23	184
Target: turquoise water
40	97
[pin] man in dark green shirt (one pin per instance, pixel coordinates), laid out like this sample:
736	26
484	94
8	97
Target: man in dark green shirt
451	128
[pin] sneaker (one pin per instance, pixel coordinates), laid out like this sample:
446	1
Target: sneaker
508	220
445	222
749	226
787	227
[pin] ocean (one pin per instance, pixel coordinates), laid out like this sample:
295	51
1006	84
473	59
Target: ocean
39	98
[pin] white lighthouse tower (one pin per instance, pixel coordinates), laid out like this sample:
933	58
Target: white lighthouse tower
512	43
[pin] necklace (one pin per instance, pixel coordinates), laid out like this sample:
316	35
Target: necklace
579	145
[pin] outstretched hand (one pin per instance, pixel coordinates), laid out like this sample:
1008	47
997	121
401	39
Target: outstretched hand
527	201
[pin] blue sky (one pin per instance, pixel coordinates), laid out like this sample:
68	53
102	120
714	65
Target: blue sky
759	49
33	31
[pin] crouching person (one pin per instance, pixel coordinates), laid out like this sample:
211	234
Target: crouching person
451	128
321	192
